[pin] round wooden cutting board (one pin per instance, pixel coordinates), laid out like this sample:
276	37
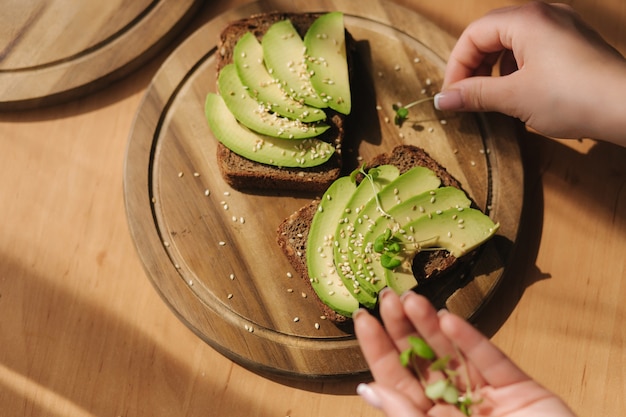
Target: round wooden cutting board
211	250
52	50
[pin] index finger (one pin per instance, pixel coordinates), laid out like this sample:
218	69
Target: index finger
479	46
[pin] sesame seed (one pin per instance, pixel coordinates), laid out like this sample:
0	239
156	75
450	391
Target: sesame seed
317	326
231	276
303	295
196	174
221	243
207	192
180	174
289	275
296	319
230	296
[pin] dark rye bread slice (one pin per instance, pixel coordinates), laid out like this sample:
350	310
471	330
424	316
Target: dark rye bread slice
242	173
292	233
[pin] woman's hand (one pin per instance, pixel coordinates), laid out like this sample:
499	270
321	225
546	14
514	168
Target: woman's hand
499	386
557	74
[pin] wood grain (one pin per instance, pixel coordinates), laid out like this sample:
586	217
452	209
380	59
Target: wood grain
57	50
214	258
83	333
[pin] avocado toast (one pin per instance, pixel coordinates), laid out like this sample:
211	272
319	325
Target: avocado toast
402	201
296	143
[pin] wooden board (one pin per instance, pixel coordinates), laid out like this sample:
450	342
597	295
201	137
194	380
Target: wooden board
52	51
214	258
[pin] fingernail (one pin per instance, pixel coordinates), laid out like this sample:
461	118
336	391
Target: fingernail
442	312
449	100
357	312
369	395
384	293
405	295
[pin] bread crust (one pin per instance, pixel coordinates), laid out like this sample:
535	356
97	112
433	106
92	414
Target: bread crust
244	174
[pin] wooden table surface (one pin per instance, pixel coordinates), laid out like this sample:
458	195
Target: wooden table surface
83	332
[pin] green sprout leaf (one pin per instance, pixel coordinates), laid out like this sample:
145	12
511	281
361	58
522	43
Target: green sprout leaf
402	112
405	357
389	262
421	348
440	364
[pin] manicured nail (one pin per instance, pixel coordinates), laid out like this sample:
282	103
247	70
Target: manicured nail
449	100
369	395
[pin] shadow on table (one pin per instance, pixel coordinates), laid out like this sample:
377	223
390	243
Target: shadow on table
594	178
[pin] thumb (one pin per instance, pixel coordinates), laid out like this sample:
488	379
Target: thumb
479	94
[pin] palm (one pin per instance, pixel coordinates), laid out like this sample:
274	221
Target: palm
501	387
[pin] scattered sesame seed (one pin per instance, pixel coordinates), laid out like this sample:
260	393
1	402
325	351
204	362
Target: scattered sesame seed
317	326
303	295
289	290
296	319
166	243
289	275
180	174
221	243
231	276
230	296
207	192
190	283
443	121
196	174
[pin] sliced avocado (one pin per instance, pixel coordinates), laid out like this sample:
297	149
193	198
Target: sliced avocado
458	230
401	278
284	55
413	182
256	117
343	236
248	58
264	149
324	278
397	219
325	43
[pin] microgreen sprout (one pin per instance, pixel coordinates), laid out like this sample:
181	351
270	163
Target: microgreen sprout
370	176
442	389
389	247
402	112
